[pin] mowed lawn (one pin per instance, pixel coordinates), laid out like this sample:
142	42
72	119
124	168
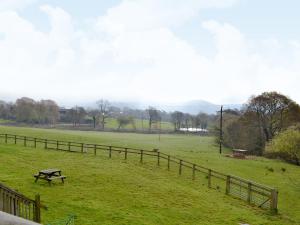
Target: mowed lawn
100	190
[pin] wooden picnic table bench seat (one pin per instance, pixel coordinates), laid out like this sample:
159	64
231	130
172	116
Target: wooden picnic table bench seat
49	175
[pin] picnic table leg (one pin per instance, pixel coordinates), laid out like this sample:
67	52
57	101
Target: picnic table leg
36	179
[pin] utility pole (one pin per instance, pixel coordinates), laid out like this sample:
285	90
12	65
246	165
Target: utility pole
221	128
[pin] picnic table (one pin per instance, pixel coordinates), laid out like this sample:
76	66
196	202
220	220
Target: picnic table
49	175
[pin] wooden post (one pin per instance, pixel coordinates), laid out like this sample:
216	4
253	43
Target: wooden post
180	166
81	147
109	151
95	149
228	185
125	153
221	130
274	200
142	152
56	144
37	210
158	158
35	142
46	144
209	178
249	192
5	138
15	139
25	139
69	146
168	162
194	170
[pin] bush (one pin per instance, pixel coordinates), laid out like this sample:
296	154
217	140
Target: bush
286	145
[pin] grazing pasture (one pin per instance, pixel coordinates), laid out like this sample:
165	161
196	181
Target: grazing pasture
100	190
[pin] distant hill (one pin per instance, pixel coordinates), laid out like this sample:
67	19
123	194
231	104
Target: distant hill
196	106
192	107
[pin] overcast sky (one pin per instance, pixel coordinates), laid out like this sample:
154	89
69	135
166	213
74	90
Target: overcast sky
222	51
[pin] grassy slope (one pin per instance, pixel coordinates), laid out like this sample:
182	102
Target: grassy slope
106	191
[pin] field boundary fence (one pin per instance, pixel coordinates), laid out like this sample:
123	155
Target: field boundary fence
253	193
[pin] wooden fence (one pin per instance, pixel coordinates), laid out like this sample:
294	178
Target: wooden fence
19	205
254	193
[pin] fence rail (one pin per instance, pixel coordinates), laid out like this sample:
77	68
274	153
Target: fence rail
19	205
253	193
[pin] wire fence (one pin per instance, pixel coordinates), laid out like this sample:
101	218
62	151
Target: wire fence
255	194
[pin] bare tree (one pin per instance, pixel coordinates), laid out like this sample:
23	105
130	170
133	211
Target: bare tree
177	119
104	110
154	116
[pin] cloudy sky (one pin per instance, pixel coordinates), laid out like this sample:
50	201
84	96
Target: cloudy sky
221	51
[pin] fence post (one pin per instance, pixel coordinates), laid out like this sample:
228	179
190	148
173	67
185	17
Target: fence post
168	162
274	199
158	158
56	144
109	151
228	185
69	146
209	178
125	153
37	216
35	142
95	150
81	147
15	139
25	139
5	138
46	144
180	166
142	152
249	192
194	170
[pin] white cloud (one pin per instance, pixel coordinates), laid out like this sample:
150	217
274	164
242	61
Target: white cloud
14	4
150	14
132	52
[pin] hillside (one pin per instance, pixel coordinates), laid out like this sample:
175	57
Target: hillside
100	190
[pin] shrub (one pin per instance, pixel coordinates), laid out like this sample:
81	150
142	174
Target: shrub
286	145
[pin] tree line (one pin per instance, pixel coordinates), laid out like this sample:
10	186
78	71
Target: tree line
261	125
27	110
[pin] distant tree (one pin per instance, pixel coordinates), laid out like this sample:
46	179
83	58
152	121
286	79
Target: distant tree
273	112
187	118
47	111
6	110
264	117
124	121
177	119
25	110
104	110
77	115
154	116
203	119
286	145
94	113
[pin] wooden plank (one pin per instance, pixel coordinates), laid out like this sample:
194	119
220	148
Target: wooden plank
141	159
194	170
209	178
228	185
180	166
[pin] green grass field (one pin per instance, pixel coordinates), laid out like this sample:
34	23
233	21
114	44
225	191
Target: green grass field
100	190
